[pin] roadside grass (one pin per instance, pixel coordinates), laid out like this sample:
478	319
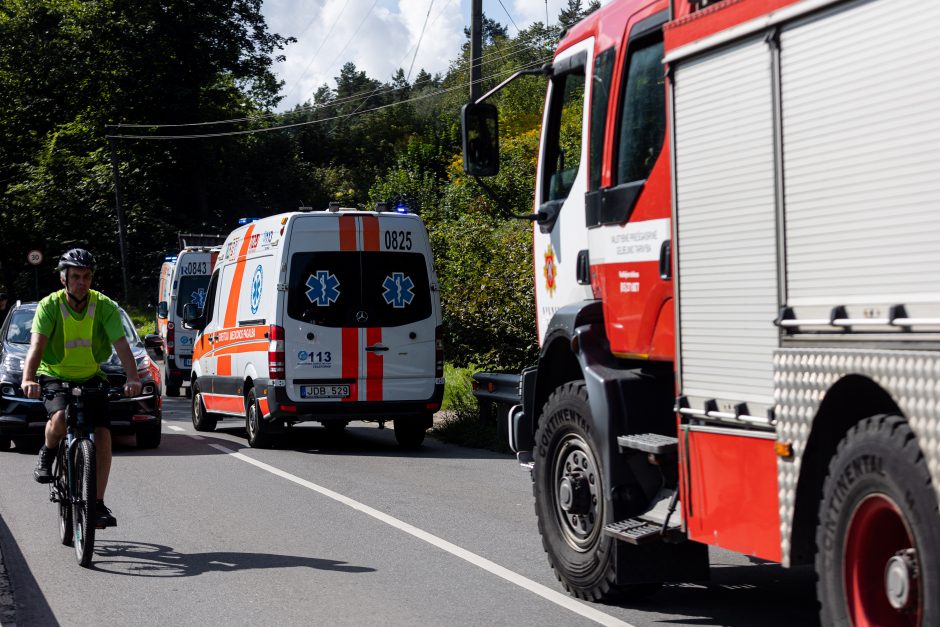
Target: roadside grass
143	320
461	424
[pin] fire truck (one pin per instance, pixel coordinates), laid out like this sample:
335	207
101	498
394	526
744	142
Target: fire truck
735	246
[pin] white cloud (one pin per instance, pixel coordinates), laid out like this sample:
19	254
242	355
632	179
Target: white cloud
388	32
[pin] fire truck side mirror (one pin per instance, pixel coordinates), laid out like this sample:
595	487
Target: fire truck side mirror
480	126
163	310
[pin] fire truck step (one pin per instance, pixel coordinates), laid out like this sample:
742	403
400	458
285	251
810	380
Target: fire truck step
634	531
649	443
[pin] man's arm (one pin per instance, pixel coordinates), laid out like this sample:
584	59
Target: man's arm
123	349
36	347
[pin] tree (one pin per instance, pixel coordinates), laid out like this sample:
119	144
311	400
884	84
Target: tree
574	13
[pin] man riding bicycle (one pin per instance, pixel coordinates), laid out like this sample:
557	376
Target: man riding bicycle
73	331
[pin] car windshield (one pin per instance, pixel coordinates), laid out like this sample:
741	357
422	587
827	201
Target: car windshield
19	330
192	289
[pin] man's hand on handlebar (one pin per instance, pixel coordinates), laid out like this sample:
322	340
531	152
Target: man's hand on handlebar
132	388
31	389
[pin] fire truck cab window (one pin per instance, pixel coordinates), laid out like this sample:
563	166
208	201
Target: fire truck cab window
643	113
563	139
600	98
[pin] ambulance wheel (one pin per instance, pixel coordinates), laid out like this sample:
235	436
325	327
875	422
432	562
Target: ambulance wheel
172	390
259	430
878	539
189	392
202	420
5	444
409	433
568	483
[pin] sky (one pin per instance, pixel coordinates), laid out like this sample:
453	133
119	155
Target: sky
380	36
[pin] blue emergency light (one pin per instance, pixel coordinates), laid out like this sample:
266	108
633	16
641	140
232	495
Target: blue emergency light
244	221
173	258
401	207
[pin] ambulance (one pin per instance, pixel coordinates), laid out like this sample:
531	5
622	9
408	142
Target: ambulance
163	295
188	282
326	316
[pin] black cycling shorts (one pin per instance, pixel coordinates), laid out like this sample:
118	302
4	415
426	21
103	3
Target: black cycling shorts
97	409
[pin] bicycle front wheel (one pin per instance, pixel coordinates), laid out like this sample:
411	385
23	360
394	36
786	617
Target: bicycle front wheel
83	500
62	495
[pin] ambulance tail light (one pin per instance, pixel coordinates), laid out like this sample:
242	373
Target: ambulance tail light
276	359
170	337
438	352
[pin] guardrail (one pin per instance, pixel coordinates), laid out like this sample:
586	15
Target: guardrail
496	394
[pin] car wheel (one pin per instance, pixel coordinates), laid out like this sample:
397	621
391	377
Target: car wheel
202	420
149	435
259	430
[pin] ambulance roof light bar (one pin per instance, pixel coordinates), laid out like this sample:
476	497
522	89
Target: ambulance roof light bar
170	258
244	221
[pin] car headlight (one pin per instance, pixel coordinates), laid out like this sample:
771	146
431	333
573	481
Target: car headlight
12	362
143	363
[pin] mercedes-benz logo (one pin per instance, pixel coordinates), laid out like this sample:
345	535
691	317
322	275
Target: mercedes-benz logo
361	316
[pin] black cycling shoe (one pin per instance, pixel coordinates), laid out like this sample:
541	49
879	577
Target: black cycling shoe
105	517
43	471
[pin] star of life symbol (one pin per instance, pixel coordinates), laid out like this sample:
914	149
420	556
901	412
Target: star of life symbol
322	290
198	297
399	290
256	282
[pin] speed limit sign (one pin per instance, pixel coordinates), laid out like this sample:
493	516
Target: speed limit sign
34	257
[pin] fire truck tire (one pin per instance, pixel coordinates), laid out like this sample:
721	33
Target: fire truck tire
568	484
259	430
878	539
202	420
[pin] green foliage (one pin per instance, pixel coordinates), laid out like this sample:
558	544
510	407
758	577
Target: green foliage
461	424
143	320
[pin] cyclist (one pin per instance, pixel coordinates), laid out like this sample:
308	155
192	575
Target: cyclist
73	331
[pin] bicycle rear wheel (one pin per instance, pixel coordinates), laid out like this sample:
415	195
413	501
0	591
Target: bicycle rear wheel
83	500
61	494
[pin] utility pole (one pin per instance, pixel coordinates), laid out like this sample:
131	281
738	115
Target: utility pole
476	48
122	232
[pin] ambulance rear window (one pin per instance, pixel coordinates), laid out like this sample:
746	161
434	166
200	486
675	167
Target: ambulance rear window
192	289
358	289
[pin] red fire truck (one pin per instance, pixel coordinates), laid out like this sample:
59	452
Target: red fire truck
739	315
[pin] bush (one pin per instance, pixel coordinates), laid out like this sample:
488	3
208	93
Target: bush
462	424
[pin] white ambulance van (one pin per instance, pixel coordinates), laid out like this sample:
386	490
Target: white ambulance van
325	316
188	283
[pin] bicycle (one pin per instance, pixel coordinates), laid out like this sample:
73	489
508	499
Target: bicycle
74	483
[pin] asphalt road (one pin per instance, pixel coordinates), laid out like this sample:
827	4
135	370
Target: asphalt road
345	531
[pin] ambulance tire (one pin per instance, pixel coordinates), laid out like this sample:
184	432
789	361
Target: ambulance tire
878	539
202	420
173	391
568	484
410	432
259	430
5	444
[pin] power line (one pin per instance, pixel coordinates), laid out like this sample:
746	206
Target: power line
488	58
319	48
335	117
509	16
420	37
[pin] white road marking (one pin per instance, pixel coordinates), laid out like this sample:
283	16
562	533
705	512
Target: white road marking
175	428
196	437
543	591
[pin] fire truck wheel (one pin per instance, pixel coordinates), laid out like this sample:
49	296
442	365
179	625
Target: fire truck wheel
569	496
202	420
259	430
878	539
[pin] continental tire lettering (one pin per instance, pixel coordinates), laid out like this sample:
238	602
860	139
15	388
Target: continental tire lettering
853	472
564	416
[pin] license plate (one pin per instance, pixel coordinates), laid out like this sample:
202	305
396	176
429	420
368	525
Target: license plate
187	362
324	391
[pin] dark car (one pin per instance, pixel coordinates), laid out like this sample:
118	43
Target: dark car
22	417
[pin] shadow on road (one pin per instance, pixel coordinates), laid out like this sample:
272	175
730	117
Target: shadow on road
143	559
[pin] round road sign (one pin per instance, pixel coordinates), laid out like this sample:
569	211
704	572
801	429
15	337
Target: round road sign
34	257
